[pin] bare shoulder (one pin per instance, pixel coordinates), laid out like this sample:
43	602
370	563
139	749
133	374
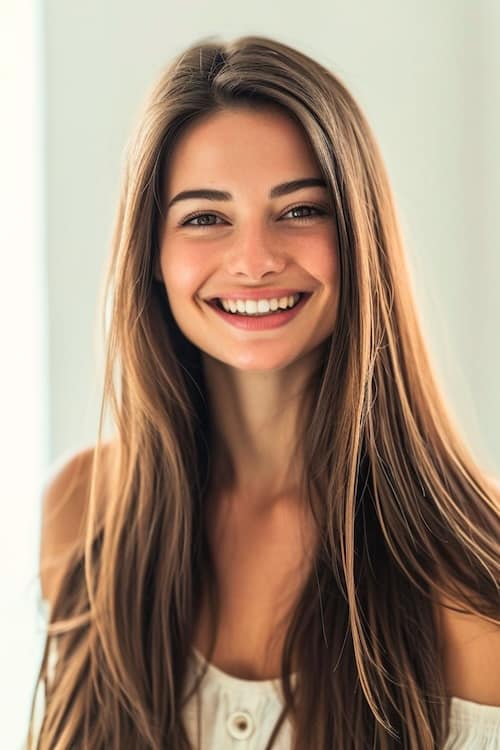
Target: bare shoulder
471	649
63	514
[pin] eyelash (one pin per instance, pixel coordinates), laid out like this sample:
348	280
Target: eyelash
319	212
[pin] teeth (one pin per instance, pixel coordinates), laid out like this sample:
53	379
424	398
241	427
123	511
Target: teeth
259	307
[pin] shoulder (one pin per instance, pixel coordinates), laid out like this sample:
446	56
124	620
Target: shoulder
64	500
471	650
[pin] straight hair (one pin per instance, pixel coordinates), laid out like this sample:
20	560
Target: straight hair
403	512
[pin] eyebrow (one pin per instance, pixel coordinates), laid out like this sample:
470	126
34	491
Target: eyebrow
222	195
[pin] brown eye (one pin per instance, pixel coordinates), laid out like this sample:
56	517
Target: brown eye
307	217
187	222
203	219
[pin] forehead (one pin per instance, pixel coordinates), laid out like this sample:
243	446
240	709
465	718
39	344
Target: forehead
237	145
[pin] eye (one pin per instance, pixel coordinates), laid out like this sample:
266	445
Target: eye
205	224
318	212
187	222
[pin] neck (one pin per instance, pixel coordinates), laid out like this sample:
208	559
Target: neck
258	421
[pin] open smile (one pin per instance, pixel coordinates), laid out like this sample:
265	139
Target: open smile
264	320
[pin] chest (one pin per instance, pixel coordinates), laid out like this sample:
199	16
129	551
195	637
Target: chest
262	561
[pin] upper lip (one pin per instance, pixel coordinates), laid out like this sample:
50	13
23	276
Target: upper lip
267	293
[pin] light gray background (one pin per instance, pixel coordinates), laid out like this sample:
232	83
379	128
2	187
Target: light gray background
426	74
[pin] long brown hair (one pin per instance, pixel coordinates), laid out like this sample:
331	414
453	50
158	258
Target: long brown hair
404	512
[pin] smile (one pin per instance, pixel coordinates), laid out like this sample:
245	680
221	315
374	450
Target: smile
246	315
258	306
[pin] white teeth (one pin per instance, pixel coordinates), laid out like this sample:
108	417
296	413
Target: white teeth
259	307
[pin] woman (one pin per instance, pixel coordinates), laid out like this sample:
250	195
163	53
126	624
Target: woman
286	495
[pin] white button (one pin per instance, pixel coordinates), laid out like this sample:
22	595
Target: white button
240	725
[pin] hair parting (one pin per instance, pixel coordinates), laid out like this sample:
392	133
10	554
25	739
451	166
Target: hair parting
404	514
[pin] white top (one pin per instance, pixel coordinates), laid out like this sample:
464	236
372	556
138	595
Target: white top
233	710
236	709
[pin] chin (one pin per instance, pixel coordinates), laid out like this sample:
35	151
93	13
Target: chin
264	364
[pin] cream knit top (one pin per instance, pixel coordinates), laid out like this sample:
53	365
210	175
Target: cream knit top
230	713
241	714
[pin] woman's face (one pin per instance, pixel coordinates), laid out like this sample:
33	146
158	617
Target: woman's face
249	242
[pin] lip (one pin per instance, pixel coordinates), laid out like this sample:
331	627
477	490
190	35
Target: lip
264	322
267	293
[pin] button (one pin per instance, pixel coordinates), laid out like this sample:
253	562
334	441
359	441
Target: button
240	725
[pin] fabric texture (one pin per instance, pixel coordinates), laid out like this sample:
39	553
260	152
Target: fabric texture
238	713
229	713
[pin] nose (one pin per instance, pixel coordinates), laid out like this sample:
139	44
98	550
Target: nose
254	253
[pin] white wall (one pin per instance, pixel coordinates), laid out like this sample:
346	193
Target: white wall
23	377
426	74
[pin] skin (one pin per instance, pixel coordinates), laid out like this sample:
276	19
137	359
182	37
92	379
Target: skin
261	540
255	378
261	536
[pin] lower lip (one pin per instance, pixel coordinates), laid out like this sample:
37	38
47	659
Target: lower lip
262	322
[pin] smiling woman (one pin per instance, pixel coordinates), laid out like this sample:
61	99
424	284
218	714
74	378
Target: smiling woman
264	243
287	530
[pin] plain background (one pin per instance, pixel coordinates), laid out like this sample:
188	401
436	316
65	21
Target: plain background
425	73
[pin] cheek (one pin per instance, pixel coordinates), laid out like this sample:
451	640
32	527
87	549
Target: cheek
322	261
182	270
